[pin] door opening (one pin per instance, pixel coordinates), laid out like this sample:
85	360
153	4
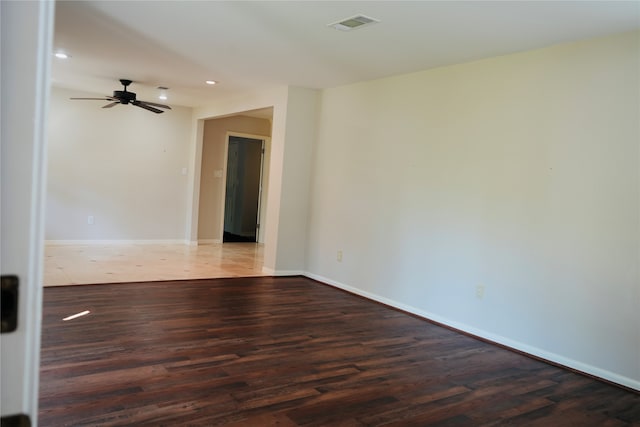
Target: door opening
243	189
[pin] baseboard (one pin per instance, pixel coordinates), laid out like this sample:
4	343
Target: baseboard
553	358
208	241
289	273
116	242
271	272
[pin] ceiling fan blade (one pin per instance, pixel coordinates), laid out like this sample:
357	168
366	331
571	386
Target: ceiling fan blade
146	107
126	97
155	104
107	98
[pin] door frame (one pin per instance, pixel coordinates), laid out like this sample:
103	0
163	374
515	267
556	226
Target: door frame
261	194
27	30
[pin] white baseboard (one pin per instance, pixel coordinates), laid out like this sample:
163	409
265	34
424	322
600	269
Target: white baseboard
289	273
271	272
516	345
208	241
116	242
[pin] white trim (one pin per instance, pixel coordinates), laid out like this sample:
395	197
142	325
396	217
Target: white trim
30	31
288	272
265	140
516	345
271	272
193	192
36	256
223	189
119	242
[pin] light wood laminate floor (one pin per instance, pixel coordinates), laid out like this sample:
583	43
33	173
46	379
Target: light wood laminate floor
111	263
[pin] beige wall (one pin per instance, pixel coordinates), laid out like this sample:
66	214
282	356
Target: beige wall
122	165
517	173
213	159
292	137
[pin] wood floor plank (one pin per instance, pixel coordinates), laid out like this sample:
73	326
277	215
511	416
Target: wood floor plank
290	352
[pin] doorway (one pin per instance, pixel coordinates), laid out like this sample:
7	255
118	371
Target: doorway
213	172
245	160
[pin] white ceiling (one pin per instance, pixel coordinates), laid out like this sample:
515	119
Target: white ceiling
248	45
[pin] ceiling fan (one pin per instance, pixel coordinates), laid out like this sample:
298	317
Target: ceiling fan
125	97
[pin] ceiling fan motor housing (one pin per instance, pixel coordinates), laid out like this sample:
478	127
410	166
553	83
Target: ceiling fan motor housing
123	96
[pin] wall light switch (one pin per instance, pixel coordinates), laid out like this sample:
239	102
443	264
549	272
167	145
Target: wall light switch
480	291
339	256
183	171
90	220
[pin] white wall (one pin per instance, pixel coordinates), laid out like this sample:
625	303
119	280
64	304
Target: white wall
120	165
519	173
302	108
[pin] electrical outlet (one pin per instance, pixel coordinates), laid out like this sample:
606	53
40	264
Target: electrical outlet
480	291
90	220
339	256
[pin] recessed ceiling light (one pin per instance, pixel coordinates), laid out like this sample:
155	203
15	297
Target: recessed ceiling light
62	55
354	22
211	82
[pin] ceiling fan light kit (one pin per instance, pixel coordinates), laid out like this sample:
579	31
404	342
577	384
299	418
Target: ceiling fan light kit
126	97
163	92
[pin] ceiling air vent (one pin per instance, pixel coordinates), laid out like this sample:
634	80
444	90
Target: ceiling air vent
354	22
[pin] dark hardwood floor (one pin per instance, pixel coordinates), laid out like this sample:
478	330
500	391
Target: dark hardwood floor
289	351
